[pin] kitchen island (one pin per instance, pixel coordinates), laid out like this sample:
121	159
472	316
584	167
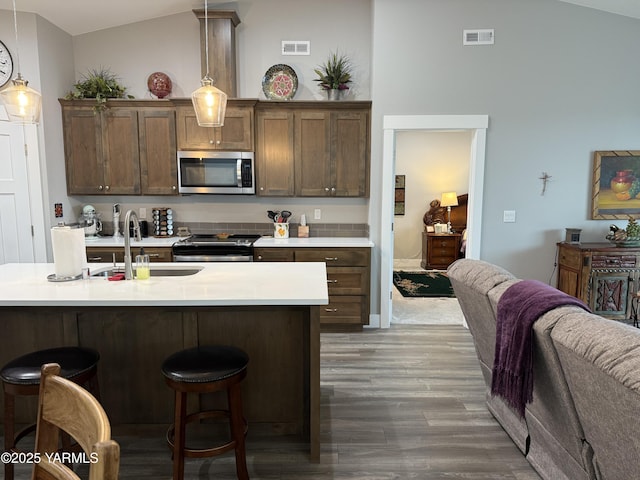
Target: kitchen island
271	310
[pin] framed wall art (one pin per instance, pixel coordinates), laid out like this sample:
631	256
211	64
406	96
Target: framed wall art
399	195
616	185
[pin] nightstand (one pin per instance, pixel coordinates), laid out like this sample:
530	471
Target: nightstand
439	250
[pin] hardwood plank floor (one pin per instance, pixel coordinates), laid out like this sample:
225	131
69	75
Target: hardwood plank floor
402	403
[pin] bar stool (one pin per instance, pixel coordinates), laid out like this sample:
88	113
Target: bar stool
21	377
207	369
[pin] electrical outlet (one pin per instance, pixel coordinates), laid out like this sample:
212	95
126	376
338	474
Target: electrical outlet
317	214
143	213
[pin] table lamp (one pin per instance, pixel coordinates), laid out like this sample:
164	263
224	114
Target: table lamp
449	199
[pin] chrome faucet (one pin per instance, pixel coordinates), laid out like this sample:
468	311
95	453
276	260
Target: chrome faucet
128	267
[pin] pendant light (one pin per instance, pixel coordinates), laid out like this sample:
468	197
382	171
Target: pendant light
21	101
209	102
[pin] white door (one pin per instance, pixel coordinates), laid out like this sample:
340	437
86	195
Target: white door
16	238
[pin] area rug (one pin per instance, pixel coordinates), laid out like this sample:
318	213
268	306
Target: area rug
423	284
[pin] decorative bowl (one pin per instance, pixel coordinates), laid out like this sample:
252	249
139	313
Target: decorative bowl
629	242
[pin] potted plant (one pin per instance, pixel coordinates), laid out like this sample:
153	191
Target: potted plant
334	75
99	84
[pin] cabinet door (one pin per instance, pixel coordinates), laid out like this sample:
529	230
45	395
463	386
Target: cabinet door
120	151
236	134
349	153
82	144
312	154
275	153
158	164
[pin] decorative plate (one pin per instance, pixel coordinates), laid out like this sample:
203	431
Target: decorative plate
280	82
628	243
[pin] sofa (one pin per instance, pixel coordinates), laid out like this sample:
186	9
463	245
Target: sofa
583	422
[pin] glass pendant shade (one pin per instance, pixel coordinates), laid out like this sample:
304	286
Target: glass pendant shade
22	102
210	104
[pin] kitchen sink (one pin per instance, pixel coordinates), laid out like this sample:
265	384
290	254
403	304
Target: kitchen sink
155	271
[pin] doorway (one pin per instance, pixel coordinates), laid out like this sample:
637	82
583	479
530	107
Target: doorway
392	124
21	213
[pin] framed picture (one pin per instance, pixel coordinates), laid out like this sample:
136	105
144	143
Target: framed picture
399	195
616	185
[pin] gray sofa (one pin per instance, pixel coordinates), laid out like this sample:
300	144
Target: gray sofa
584	420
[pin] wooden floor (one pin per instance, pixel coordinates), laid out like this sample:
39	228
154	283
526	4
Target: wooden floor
403	403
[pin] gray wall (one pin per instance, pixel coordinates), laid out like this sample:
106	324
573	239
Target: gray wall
559	83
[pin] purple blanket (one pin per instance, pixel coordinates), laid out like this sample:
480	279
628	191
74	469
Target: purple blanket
518	309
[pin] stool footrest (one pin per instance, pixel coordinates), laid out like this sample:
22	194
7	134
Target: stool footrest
204	452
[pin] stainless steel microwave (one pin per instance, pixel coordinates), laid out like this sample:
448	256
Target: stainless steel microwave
216	172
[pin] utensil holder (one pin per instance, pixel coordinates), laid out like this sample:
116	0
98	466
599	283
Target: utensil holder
281	230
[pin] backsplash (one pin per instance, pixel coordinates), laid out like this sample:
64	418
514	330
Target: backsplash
266	228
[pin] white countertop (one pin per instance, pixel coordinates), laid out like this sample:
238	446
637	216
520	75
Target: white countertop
261	242
218	284
314	242
146	242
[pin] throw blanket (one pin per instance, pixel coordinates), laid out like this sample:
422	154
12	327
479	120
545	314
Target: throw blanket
518	309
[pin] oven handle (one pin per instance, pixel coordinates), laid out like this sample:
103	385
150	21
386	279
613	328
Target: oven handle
212	258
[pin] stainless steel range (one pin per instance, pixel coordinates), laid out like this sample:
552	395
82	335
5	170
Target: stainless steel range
214	248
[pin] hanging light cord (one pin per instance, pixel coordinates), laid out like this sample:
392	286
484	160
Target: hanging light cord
15	29
206	35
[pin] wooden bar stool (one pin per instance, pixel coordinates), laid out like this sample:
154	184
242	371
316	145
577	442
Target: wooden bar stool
21	377
203	370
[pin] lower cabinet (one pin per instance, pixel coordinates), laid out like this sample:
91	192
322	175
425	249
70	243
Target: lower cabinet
106	254
348	280
605	277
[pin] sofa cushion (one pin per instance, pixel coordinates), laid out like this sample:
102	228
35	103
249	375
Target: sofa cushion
601	362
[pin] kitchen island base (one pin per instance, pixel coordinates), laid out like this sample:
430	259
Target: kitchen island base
281	391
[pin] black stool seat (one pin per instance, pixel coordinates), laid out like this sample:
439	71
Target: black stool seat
205	364
73	361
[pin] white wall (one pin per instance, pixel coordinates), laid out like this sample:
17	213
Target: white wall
433	163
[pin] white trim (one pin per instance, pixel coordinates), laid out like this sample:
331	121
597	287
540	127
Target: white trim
478	124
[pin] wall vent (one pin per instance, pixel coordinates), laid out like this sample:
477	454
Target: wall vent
478	37
296	47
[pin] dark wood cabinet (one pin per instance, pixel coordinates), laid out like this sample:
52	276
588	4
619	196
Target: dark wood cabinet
127	149
603	276
313	149
235	135
105	254
348	280
439	250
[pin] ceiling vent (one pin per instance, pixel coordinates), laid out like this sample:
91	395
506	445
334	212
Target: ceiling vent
296	47
478	37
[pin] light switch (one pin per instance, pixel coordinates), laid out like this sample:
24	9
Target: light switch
143	213
317	214
509	216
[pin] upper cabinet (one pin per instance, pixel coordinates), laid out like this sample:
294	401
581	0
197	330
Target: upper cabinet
302	148
322	146
126	149
235	135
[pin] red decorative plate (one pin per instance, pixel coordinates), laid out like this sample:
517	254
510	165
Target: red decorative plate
280	82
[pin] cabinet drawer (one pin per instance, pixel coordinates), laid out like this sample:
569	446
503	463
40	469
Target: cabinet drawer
444	242
273	255
347	280
443	251
334	256
570	258
105	254
442	260
342	309
613	261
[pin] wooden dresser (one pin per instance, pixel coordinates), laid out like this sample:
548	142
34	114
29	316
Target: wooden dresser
603	276
439	250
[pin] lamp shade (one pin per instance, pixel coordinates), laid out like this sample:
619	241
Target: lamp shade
449	199
22	102
210	104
